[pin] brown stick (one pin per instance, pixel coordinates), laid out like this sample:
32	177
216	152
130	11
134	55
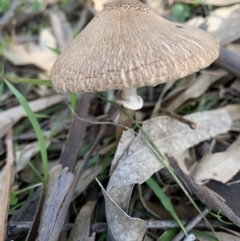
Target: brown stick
76	134
177	117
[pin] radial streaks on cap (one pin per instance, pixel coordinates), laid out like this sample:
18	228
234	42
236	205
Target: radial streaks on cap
128	45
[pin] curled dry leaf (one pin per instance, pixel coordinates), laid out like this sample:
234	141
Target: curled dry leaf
122	227
205	194
219	166
81	227
170	136
195	89
9	117
30	53
138	162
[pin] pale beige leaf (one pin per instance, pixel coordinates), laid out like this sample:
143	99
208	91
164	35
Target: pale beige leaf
233	111
9	117
5	186
122	227
170	136
30	53
81	227
223	23
196	89
220	166
221	236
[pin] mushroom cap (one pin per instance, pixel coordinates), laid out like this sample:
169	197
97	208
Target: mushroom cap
128	45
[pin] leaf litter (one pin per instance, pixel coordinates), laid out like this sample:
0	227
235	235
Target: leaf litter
168	134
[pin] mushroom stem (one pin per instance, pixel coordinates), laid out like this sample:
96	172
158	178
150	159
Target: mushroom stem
130	99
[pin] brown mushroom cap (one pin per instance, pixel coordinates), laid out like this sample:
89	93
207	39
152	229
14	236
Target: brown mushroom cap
128	45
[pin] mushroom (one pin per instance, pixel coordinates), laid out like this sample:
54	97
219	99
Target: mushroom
128	45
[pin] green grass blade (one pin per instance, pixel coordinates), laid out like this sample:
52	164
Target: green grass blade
35	125
165	201
103	237
205	235
168	235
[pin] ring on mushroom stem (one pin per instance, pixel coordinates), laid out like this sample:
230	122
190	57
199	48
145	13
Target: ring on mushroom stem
128	45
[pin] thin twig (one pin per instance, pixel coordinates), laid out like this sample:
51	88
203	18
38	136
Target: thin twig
191	225
177	117
16	228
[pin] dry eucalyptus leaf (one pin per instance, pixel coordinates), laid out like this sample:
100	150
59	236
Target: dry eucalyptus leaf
223	23
55	206
210	198
220	166
233	111
5	186
81	227
122	227
195	89
170	136
30	53
9	117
